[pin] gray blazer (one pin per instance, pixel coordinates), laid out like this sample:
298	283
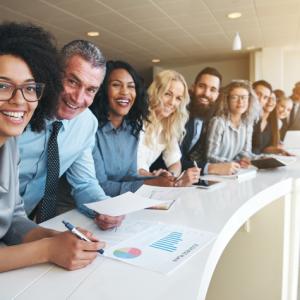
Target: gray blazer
14	223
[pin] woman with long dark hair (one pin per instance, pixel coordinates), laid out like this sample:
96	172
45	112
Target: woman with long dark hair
121	106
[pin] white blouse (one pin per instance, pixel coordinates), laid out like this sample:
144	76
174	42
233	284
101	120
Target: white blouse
146	156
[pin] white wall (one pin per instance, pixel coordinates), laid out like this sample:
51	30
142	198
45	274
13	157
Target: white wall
279	66
236	276
291	69
230	69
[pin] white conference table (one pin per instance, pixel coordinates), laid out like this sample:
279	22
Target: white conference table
222	211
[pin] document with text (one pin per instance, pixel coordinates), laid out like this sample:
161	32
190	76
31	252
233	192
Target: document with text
161	247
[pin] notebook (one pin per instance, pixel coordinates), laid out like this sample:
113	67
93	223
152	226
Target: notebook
241	175
273	162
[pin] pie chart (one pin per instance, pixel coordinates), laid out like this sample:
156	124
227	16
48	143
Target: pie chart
127	253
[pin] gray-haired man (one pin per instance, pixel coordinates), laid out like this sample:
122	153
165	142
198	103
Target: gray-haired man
69	150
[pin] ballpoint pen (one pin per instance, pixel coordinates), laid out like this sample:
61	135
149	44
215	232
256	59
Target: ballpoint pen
79	234
195	164
180	176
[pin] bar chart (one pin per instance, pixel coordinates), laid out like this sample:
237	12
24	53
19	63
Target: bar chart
169	242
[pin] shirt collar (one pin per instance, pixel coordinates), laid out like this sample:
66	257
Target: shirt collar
228	121
65	123
108	127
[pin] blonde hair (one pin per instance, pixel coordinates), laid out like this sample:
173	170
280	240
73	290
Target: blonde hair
284	100
253	110
174	125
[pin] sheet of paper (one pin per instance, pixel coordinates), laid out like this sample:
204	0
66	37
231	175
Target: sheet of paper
161	193
161	248
127	229
241	175
122	205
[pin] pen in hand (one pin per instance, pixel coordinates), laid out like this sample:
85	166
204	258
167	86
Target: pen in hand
195	164
79	234
178	178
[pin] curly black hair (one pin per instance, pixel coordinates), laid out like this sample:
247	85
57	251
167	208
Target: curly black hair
37	48
139	111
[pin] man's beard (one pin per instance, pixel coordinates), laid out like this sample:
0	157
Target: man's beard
200	110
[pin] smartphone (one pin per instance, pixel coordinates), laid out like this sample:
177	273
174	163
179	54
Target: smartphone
207	184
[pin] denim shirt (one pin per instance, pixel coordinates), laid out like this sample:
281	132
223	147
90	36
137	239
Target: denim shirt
115	156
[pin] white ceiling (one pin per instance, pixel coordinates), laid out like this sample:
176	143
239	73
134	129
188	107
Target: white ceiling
181	31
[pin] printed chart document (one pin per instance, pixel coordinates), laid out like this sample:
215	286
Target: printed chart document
128	229
169	195
165	192
123	204
161	247
241	175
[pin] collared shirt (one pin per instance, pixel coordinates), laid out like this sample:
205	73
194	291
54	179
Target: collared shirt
115	156
13	220
197	131
194	130
76	141
226	143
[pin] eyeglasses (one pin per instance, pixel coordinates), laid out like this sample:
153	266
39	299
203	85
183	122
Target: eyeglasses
31	92
239	97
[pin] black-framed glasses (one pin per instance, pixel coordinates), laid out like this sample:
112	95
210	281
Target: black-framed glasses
31	91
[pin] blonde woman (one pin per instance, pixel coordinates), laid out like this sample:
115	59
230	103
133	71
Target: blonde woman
284	107
168	100
230	132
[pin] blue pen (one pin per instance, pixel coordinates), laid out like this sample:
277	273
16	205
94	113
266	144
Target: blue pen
79	234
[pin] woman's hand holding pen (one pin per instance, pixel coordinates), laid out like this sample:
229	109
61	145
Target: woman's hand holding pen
69	252
188	177
164	178
245	162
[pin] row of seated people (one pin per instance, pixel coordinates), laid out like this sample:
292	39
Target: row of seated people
100	152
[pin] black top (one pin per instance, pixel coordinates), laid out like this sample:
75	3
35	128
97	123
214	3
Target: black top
186	160
261	139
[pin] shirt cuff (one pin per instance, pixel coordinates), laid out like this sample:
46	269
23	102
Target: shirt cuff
205	169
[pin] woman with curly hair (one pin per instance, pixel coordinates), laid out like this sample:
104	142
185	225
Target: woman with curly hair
27	74
121	107
229	135
168	100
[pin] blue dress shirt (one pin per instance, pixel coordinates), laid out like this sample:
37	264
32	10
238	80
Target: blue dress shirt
115	156
76	141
